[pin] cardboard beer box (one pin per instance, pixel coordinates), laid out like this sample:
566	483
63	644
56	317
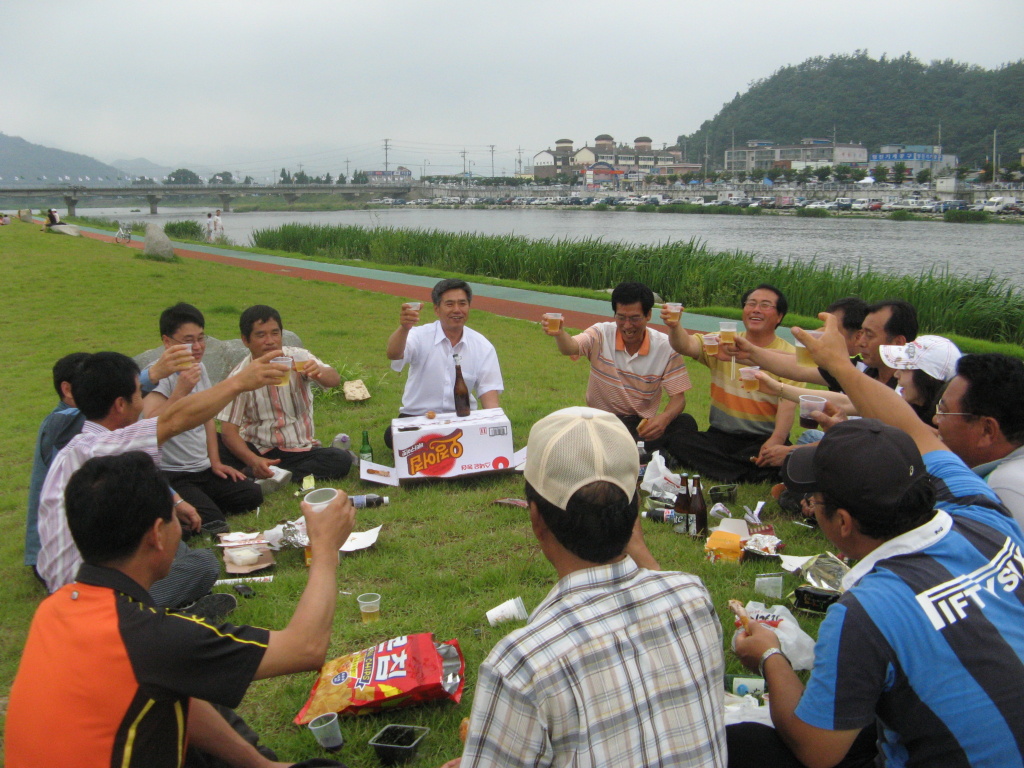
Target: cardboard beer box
449	446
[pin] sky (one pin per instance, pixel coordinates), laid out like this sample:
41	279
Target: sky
252	86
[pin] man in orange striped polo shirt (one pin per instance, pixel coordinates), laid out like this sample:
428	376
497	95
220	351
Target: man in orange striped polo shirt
630	366
749	434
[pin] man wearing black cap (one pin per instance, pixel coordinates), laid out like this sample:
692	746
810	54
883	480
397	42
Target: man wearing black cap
928	638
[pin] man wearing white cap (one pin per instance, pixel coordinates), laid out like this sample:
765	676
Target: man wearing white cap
928	637
619	665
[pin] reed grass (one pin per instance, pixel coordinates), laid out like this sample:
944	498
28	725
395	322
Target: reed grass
185	229
984	307
966	217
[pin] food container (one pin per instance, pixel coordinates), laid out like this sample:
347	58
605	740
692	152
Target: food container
396	744
722	494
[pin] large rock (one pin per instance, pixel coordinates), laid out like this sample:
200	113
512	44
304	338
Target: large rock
25	214
65	229
220	357
158	245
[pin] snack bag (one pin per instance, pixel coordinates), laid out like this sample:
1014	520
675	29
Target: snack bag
399	672
796	644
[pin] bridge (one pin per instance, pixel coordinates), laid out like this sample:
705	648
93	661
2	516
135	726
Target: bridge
154	193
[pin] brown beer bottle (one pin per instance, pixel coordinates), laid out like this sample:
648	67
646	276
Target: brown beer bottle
682	505
461	390
699	508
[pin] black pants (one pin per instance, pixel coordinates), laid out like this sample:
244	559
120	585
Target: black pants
215	497
753	745
387	432
322	463
678	426
722	456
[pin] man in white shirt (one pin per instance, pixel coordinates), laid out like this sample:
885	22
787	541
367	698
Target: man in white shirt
428	350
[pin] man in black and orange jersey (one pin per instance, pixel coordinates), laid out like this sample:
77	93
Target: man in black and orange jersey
132	684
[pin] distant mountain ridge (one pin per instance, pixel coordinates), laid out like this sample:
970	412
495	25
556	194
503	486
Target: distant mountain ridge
35	165
875	102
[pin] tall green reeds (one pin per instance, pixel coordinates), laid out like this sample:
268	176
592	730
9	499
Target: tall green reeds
983	307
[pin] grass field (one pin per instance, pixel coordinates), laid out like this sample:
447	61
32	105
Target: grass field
446	553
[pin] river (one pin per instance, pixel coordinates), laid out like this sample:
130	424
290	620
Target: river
906	247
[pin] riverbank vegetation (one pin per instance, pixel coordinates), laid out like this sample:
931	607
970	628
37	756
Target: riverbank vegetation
982	307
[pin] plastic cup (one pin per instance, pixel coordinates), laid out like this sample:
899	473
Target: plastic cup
320	498
287	376
727	331
671	310
711	341
327	731
507	611
369	607
809	404
552	321
803	356
415	306
299	361
747	378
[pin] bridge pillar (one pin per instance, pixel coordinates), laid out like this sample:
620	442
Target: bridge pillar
154	200
290	197
225	203
70	202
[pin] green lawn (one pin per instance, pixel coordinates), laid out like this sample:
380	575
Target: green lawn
446	553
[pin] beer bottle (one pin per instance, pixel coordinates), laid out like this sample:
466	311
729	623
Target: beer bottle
461	390
645	458
698	508
366	450
682	505
369	500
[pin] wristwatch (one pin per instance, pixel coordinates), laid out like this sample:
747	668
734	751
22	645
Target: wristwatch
767	655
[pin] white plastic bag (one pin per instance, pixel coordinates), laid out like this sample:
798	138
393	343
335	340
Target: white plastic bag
657	478
796	644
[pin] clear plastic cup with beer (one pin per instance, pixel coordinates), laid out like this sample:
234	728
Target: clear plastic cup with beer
711	342
369	607
727	331
552	322
671	310
287	375
803	355
299	360
748	379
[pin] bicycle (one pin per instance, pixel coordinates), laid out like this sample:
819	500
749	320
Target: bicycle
124	233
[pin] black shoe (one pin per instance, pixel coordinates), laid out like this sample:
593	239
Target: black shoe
790	502
213	527
214	607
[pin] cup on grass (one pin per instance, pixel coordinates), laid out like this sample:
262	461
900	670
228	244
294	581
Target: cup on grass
507	611
327	731
369	607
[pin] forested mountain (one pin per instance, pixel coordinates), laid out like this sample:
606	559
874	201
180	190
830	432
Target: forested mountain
875	102
35	165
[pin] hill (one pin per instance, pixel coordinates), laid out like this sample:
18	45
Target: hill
36	165
876	102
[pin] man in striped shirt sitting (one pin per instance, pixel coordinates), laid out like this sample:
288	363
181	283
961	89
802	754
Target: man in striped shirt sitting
630	366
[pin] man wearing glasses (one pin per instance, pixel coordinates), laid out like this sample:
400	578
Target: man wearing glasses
191	461
981	420
630	365
748	438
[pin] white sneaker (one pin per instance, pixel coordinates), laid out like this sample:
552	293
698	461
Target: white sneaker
278	478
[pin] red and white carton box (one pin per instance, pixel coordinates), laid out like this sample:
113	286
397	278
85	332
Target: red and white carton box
449	446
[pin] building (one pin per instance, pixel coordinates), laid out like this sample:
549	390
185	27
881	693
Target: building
401	175
607	161
761	154
916	157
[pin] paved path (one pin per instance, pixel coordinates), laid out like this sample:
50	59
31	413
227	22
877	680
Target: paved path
509	302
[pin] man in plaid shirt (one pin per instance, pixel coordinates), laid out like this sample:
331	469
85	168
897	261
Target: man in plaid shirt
621	664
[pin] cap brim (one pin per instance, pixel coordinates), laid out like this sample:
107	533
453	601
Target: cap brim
895	356
798	469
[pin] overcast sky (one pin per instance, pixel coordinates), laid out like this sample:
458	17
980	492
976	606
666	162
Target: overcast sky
254	85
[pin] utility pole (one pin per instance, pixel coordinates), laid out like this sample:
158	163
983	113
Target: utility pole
492	159
519	163
463	153
348	176
386	155
994	132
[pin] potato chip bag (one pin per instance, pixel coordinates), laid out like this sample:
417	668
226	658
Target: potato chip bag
400	672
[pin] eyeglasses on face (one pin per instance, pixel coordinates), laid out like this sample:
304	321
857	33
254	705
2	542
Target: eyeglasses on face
751	304
201	339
